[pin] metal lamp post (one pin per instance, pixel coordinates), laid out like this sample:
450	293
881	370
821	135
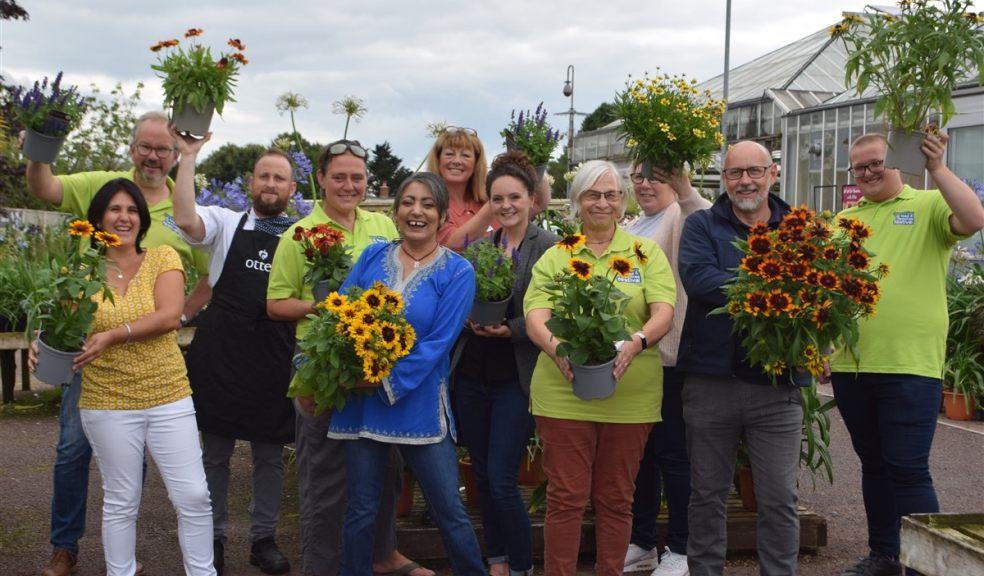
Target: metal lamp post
569	91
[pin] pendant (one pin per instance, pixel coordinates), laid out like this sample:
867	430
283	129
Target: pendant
416	265
119	276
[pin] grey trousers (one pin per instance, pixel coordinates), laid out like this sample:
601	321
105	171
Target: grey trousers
321	491
268	483
718	411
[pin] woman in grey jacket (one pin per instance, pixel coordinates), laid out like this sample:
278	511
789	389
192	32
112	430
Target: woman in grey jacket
492	370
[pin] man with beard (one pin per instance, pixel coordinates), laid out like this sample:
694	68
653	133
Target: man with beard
889	390
239	361
152	151
726	399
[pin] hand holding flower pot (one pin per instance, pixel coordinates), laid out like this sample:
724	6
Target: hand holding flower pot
48	113
495	275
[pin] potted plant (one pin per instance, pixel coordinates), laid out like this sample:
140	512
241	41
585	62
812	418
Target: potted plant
667	122
195	83
531	471
48	113
963	372
61	309
588	319
355	336
495	275
328	258
915	59
532	135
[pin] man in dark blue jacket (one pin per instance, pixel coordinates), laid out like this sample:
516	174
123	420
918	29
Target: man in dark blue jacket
724	397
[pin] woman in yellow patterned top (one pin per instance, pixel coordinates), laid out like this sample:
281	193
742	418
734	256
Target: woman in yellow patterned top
135	391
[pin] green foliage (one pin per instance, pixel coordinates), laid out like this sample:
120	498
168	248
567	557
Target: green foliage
63	301
914	60
48	108
556	169
23	249
384	166
531	134
230	161
603	115
102	141
495	271
964	367
815	444
328	257
194	77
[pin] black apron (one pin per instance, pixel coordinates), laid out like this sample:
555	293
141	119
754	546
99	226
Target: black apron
239	361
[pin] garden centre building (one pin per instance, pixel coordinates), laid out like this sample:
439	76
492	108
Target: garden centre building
794	100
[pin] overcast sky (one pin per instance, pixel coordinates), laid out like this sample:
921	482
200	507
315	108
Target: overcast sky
468	63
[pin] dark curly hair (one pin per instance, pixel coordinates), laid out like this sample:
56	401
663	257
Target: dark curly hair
513	163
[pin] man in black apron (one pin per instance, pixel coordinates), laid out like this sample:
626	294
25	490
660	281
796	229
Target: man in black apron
239	361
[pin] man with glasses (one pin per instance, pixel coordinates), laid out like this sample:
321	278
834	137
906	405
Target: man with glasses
342	176
725	398
153	154
666	200
889	391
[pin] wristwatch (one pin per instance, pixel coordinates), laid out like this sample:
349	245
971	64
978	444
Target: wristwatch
642	338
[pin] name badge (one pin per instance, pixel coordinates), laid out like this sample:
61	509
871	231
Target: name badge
169	222
634	278
904	218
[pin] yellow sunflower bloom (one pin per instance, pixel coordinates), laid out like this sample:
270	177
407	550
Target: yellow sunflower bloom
572	242
639	254
108	239
81	228
580	268
620	266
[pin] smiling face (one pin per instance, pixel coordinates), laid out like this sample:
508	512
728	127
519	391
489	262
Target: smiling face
122	217
510	202
651	195
152	137
749	196
344	183
600	205
457	165
272	185
417	215
881	183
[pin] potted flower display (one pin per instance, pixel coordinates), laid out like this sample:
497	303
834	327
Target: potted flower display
532	135
353	337
667	122
963	372
62	308
48	112
588	319
328	258
915	59
196	83
495	275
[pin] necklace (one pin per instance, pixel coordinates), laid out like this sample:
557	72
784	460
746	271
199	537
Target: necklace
416	261
601	241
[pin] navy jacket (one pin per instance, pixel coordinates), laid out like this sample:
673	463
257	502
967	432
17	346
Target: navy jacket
707	260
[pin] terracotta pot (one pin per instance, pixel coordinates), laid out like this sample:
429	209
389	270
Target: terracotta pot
746	489
405	504
594	382
904	153
472	497
957	407
531	472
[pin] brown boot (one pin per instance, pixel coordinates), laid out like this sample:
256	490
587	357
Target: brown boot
62	563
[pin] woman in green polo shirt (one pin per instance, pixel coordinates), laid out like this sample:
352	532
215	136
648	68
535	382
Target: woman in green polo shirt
592	448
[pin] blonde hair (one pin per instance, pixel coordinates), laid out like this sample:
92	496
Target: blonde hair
462	140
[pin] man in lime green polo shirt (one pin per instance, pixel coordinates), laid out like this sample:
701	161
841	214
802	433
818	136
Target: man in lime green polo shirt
342	176
153	154
889	392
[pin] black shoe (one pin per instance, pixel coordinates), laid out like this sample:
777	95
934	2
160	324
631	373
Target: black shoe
218	556
875	565
265	554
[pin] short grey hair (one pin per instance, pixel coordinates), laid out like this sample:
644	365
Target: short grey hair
587	175
434	183
152	115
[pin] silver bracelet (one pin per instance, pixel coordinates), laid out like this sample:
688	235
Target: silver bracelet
129	333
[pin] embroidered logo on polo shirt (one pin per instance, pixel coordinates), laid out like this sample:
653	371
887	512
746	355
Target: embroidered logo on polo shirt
169	222
634	278
904	218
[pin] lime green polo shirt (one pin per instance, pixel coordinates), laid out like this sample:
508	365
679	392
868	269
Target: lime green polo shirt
289	263
79	189
907	334
639	394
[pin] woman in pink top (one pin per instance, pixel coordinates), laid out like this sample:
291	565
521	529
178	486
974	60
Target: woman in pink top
459	158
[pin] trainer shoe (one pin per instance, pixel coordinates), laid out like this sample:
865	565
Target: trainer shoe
875	565
672	564
638	559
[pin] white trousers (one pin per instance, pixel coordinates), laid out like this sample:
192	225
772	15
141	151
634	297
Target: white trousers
170	433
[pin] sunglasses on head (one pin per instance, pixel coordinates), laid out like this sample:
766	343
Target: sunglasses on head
457	129
353	146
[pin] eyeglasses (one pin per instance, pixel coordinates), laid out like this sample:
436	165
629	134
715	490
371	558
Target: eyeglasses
342	146
457	129
595	196
638	178
875	167
754	172
160	152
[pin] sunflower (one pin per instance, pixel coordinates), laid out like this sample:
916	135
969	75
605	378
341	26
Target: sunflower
771	269
108	239
781	302
807	252
857	229
818	231
571	242
358	331
760	244
393	302
620	266
798	270
335	302
858	259
757	303
388	333
828	280
806	296
639	254
831	253
372	298
751	264
580	268
852	287
81	228
758	229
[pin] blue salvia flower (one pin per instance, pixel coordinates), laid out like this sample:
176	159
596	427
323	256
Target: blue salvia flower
302	166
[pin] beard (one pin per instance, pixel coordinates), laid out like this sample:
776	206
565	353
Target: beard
265	208
748	204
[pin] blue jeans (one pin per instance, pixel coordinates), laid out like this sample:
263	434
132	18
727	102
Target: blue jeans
666	455
495	425
892	420
435	466
71	473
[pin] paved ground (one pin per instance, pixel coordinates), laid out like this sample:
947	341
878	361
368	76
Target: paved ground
27	452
